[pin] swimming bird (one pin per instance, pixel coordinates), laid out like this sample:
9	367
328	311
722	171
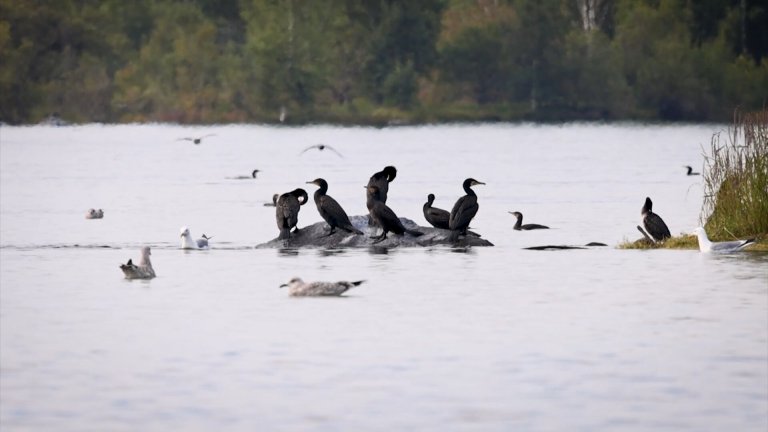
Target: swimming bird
297	287
384	217
321	147
690	170
653	223
287	211
94	214
464	210
519	224
330	210
142	271
188	243
195	140
274	201
437	217
242	177
705	245
381	180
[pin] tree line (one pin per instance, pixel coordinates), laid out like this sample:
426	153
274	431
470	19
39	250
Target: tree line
380	61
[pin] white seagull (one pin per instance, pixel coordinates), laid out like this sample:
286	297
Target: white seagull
297	287
188	243
143	270
705	245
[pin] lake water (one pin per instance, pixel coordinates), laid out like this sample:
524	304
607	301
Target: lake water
489	339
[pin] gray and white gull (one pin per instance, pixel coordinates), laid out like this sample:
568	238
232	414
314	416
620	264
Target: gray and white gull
188	243
705	245
298	288
143	270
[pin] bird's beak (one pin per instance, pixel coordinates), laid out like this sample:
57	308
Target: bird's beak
283	285
479	183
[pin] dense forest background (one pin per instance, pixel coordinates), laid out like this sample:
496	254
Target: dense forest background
380	61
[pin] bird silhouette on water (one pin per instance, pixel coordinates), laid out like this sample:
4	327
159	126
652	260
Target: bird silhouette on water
653	223
519	224
195	140
321	147
330	210
689	171
464	210
143	270
299	288
384	217
437	217
287	211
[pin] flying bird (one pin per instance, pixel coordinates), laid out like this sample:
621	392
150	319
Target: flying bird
195	140
321	147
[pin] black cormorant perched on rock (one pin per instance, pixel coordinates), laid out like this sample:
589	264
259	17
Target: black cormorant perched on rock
195	140
381	180
653	223
690	170
384	217
464	210
519	224
287	211
437	217
321	147
330	210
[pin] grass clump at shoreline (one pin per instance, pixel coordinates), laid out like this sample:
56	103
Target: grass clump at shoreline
735	188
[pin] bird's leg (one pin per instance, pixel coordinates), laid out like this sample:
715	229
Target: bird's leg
380	238
331	232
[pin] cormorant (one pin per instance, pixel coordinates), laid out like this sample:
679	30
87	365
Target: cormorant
653	223
297	287
287	211
464	210
321	147
381	180
274	201
195	140
142	271
384	217
705	245
330	210
690	170
437	217
519	224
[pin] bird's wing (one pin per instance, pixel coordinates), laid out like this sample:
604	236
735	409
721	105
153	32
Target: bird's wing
185	139
309	148
206	136
333	150
729	245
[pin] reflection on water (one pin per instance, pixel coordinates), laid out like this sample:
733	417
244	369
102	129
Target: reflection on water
439	338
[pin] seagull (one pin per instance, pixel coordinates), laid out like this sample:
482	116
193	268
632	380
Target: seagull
719	247
690	170
188	243
94	214
195	140
297	287
321	147
142	271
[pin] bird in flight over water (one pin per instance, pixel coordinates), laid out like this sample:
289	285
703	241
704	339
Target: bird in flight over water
195	140
321	147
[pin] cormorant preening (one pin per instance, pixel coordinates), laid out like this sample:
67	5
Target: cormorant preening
652	223
437	217
330	210
384	217
519	224
690	170
287	211
321	147
381	180
464	210
195	140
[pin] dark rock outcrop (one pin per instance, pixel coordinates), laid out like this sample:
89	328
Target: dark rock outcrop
315	236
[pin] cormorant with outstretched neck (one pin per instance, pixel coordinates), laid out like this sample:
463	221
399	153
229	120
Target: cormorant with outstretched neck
330	210
381	180
519	224
384	217
287	211
437	217
464	210
653	222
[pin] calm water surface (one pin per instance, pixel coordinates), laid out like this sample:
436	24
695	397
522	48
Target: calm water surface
437	339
